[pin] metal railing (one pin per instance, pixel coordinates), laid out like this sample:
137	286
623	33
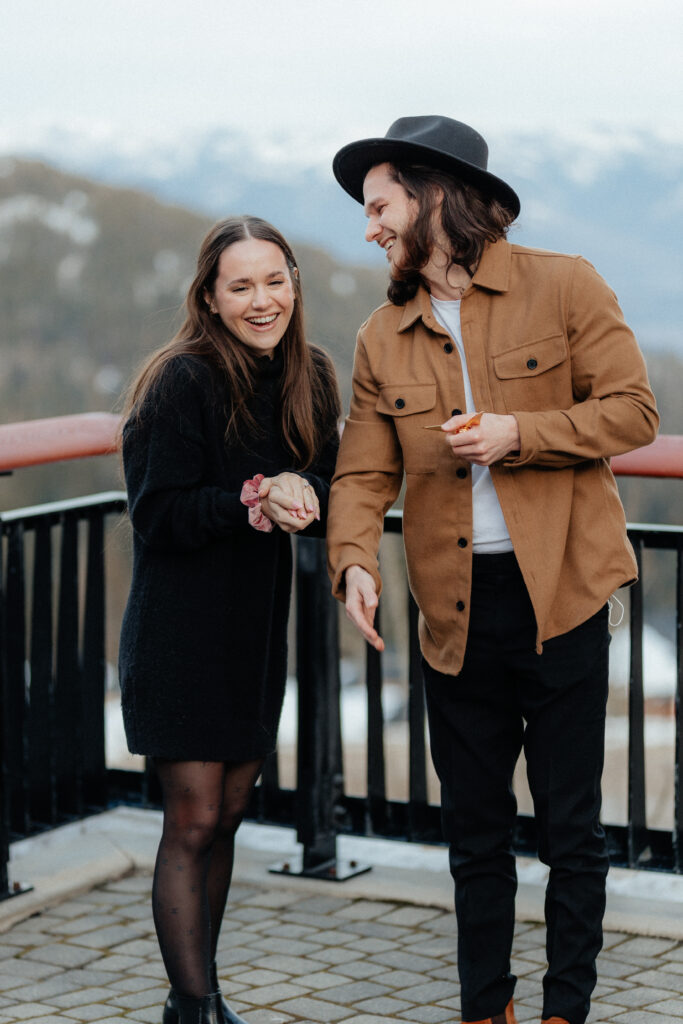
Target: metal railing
52	680
52	666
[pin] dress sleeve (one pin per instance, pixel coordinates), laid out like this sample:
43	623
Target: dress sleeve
319	475
614	410
164	459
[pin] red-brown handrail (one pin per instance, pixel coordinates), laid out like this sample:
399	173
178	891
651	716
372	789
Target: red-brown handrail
663	458
95	433
60	437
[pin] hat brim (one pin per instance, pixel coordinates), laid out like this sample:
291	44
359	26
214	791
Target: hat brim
353	162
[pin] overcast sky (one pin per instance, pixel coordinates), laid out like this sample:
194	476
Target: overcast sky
330	71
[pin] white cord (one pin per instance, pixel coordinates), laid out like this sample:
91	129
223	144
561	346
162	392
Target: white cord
610	604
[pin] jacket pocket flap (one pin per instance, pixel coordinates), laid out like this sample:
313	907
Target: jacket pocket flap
406	399
531	359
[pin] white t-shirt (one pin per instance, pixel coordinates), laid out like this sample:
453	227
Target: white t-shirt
489	532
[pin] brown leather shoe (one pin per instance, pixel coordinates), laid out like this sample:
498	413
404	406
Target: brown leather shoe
554	1020
506	1017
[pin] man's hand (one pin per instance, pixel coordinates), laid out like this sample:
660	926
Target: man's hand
361	604
494	438
289	501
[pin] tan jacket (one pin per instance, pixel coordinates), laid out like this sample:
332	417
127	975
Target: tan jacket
545	340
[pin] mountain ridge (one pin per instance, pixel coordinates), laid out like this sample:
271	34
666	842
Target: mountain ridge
615	196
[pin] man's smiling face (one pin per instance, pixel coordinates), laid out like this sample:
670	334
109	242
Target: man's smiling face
390	211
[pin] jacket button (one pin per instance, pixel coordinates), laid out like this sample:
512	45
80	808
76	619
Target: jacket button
531	364
456	412
460	605
399	403
462	542
448	347
461	472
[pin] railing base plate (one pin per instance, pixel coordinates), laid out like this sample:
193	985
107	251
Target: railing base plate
329	871
15	889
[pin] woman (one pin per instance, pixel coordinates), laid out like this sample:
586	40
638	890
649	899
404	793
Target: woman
229	444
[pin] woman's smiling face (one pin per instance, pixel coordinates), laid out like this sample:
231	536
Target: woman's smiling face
254	293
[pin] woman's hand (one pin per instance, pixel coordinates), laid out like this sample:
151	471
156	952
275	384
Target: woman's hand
289	501
489	441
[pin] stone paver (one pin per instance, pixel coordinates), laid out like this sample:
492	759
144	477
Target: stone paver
352	992
604	1011
91	1012
442	947
81	996
324	980
410	916
359	969
42	1019
364	910
315	1010
638	1017
379	931
290	958
269	1017
671	1007
336	955
427	1014
27	1011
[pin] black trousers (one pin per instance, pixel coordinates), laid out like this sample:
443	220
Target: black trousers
553	705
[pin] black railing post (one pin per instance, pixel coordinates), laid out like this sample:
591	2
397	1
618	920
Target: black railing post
417	780
94	706
13	788
376	773
4	778
637	814
319	777
68	685
318	692
41	730
15	667
678	762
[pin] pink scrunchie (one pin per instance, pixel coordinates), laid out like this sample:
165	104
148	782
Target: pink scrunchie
250	498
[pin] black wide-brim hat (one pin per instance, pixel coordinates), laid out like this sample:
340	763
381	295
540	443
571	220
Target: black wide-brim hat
434	141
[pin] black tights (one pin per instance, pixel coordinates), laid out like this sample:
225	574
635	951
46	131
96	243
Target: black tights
204	802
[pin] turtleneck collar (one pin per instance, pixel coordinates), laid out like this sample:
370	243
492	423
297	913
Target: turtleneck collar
271	369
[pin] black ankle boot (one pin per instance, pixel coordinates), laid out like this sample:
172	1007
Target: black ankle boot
225	1014
229	1016
199	1011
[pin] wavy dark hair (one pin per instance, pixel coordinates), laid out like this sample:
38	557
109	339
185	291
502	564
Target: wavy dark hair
469	218
310	400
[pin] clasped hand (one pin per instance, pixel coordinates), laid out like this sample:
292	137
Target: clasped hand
289	501
488	442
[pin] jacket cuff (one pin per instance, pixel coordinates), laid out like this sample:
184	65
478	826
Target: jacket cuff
528	441
352	556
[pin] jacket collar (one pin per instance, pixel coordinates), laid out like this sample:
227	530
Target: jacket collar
419	307
494	267
493	273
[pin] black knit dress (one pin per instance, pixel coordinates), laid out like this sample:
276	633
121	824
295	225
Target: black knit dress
203	651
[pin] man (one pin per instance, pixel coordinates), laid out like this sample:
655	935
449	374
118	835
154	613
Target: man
514	533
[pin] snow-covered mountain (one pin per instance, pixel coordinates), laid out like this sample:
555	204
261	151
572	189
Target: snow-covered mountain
615	196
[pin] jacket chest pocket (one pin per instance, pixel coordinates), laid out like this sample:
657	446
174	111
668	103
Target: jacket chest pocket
412	407
535	375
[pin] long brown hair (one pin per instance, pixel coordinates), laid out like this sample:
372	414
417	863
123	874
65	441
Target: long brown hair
469	218
309	392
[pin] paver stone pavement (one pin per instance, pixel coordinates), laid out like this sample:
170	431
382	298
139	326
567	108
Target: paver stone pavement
286	955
